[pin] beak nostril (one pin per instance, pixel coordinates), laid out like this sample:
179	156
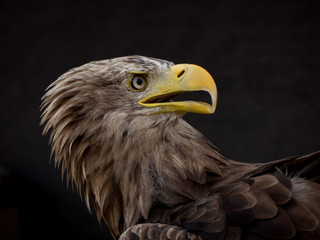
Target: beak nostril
181	73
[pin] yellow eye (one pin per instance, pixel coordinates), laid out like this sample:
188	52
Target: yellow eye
138	82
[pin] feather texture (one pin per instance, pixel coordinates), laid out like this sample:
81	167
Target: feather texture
153	176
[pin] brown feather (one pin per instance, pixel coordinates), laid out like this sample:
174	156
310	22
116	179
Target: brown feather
156	231
279	227
265	207
301	216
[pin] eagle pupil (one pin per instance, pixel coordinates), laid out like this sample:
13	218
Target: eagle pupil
139	81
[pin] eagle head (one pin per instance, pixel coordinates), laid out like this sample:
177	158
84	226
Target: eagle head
106	118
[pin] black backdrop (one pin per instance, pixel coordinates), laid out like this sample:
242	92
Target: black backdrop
264	56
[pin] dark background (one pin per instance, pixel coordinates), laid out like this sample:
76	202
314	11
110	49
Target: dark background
264	56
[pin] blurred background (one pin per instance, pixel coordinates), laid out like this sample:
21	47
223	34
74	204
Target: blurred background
264	56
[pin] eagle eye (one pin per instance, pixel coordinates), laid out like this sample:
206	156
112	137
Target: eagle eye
137	82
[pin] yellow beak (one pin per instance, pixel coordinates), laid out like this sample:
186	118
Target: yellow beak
182	78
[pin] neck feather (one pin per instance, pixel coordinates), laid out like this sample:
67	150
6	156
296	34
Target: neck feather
127	164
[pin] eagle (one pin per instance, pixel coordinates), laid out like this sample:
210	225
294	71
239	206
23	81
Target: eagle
117	133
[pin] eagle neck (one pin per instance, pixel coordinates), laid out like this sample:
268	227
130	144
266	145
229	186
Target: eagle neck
157	160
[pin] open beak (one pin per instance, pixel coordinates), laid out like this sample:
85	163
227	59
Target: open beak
182	78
